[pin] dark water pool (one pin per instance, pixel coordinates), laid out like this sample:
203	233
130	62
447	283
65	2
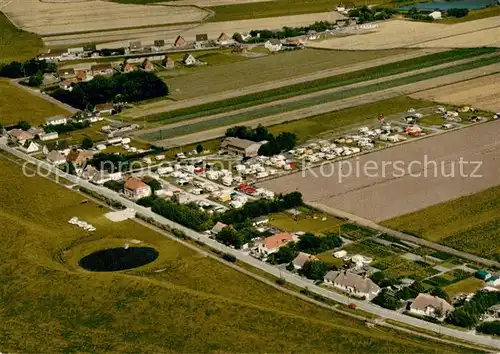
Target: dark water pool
114	259
445	5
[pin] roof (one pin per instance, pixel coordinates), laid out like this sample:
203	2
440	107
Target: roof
81	75
55	155
104	106
302	258
223	37
275	41
57	145
347	279
426	300
238	143
55	118
179	39
20	134
218	227
54	52
67	71
277	240
134	184
79	156
100	67
201	37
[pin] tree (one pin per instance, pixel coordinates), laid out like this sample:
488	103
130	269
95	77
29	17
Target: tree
24	125
290	267
285	254
230	237
315	270
199	148
35	80
87	143
154	184
457	12
387	300
437	291
489	328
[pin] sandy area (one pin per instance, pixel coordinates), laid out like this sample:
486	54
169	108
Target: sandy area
213	29
64	17
483	93
120	215
378	196
400	33
208	3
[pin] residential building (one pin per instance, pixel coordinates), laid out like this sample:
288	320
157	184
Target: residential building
259	221
127	67
66	73
104	108
55	157
89	172
354	284
81	75
302	258
134	188
168	62
36	131
224	39
135	46
179	42
159	43
436	15
273	45
429	305
53	54
20	136
105	69
273	243
189	60
49	136
147	65
79	157
56	120
218	228
29	146
241	50
242	147
102	177
200	38
68	84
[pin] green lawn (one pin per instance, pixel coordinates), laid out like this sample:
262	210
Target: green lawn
93	132
181	302
17	104
16	44
469	224
396	266
306	223
469	285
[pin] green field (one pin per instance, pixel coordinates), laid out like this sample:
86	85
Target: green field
333	82
17	104
312	223
16	44
469	224
182	302
469	285
212	79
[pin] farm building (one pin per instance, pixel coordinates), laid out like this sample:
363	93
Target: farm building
436	15
224	39
106	108
273	45
429	305
179	42
105	69
55	157
20	136
357	285
56	120
68	73
49	136
242	147
168	62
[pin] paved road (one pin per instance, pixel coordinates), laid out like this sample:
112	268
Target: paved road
289	277
336	105
165	106
299	97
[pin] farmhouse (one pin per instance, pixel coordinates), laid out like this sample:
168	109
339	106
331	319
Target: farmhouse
29	146
242	147
134	188
79	157
201	38
56	120
190	60
104	108
179	42
357	285
102	69
147	65
82	75
68	84
273	45
68	73
127	67
55	157
168	62
20	136
273	243
224	39
302	258
218	228
49	136
428	305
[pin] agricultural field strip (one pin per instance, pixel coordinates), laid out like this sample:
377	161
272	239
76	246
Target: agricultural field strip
362	305
336	105
163	106
299	97
297	105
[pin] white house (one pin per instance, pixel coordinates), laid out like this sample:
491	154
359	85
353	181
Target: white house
102	177
56	120
29	147
357	285
49	136
55	157
273	45
436	15
340	254
428	305
189	60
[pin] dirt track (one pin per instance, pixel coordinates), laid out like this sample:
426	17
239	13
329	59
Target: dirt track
483	93
165	106
400	34
338	105
378	196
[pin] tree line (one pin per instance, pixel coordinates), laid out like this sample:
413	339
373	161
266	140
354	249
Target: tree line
275	144
132	87
286	32
66	128
469	314
31	67
369	14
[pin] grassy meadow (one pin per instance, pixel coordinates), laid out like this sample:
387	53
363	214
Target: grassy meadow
181	302
18	104
16	44
469	223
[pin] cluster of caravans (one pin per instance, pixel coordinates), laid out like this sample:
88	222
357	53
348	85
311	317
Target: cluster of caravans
80	223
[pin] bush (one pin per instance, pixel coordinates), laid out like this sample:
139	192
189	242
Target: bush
281	281
489	328
229	257
457	12
387	300
188	215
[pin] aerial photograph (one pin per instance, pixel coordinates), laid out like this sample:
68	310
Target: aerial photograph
250	176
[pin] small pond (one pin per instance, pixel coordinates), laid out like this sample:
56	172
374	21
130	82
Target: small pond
114	259
445	5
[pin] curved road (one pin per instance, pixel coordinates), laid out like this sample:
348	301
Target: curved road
289	277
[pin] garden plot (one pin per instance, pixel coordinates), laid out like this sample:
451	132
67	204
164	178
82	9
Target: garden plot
483	93
65	17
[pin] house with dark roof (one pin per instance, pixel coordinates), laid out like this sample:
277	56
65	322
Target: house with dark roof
179	42
354	284
273	45
429	305
243	147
